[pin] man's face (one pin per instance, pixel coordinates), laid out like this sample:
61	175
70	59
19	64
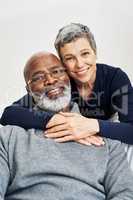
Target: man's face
48	83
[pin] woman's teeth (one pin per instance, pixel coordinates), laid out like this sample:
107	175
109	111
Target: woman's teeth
80	72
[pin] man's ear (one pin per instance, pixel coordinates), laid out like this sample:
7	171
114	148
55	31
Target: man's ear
27	88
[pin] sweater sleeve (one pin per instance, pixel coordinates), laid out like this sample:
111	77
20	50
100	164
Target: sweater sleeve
4	162
118	180
21	113
121	95
115	130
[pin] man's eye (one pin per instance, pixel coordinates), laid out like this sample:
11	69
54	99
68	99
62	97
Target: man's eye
58	71
55	71
38	78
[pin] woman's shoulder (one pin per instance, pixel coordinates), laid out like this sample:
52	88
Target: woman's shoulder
107	69
112	73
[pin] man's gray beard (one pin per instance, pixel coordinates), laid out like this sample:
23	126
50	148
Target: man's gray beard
55	105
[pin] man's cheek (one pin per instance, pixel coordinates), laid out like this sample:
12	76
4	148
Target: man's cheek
65	80
37	88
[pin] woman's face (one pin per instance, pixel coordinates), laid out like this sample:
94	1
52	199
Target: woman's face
79	59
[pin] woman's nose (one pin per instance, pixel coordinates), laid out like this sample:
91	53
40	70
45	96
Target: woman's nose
80	63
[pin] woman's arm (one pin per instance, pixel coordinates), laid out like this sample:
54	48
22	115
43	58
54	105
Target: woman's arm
118	131
121	98
21	113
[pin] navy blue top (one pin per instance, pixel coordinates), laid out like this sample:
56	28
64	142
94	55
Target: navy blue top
112	93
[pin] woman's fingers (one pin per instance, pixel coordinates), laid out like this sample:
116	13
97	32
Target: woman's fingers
95	140
84	142
67	114
78	126
58	128
59	134
57	119
92	140
65	139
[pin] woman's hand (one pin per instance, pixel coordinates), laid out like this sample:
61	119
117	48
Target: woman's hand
92	140
71	126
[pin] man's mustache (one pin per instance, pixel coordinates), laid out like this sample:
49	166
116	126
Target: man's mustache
49	88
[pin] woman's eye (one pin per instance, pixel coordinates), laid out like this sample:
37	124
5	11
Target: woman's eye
85	53
69	58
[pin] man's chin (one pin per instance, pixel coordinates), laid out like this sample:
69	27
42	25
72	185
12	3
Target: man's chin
54	97
56	104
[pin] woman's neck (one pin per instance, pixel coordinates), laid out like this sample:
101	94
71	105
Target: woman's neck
85	89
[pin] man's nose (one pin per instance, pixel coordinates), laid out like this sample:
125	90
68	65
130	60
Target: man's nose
50	80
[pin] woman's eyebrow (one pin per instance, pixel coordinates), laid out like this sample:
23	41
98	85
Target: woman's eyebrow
69	54
85	50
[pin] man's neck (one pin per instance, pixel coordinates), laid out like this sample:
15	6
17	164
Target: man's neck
67	109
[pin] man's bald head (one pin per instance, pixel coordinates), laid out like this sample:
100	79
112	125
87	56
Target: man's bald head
39	59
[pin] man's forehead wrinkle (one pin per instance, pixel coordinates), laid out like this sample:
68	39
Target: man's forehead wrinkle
46	70
39	61
42	59
45	61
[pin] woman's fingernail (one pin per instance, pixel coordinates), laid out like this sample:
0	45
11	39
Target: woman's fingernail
46	135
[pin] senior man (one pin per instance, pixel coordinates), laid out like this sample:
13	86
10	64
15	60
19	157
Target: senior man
36	167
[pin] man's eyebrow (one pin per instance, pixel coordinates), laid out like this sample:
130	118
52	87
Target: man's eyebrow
56	66
38	72
42	72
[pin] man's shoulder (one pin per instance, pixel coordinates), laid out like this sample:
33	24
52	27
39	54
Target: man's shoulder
9	133
24	101
114	145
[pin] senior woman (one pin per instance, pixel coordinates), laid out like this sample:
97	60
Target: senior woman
100	91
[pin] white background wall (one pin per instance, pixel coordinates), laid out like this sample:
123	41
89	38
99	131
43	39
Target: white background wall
28	26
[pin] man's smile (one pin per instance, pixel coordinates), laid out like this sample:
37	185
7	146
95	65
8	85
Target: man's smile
55	92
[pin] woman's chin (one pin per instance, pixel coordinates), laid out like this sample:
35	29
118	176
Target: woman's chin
82	80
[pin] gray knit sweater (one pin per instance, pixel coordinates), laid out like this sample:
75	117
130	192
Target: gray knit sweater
36	168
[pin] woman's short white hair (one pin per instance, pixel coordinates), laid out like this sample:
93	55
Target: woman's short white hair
72	32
